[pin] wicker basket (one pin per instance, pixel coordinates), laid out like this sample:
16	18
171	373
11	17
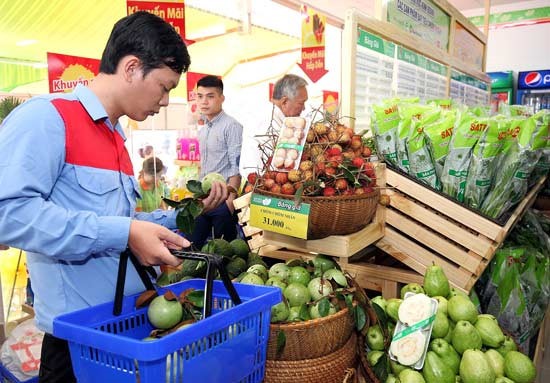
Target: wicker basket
365	366
312	338
330	368
338	215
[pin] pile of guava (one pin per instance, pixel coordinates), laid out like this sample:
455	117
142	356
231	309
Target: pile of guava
434	333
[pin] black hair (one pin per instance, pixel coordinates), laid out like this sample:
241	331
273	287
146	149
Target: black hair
211	82
288	86
148	37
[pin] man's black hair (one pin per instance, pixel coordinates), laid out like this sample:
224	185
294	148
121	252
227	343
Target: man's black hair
148	37
211	82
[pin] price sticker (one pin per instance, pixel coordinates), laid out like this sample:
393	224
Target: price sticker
279	215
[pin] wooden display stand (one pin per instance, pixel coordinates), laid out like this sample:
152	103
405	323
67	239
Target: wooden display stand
425	227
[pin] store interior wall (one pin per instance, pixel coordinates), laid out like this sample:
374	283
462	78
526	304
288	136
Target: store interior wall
518	48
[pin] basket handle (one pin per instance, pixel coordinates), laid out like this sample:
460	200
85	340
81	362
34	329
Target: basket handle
213	263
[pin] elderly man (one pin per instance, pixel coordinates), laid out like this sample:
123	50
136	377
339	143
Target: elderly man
288	100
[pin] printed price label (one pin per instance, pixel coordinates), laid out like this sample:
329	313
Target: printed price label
279	215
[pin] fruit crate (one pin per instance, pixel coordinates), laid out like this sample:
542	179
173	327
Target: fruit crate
228	346
8	377
424	226
265	242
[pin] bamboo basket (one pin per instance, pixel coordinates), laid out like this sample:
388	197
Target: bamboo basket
330	368
337	215
312	338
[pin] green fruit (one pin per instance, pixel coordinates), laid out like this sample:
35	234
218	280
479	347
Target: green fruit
319	288
489	330
519	367
279	312
222	247
392	308
380	301
299	274
255	259
396	367
322	263
296	294
236	266
441	304
413	288
163	313
392	379
411	376
496	361
280	270
276	281
252	279
461	308
507	346
441	326
449	336
375	338
259	270
240	247
435	282
503	379
436	371
465	337
315	313
336	276
475	368
373	356
298	314
454	292
447	353
206	182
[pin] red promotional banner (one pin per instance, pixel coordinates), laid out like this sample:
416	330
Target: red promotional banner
330	102
172	13
271	87
313	43
66	72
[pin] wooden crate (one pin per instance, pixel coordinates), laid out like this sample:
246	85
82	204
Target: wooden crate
423	227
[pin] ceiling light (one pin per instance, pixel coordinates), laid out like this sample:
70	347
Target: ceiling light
24	43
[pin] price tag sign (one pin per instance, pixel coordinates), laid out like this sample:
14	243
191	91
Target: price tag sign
279	215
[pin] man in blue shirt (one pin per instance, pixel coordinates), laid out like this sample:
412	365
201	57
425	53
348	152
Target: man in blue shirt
68	191
220	141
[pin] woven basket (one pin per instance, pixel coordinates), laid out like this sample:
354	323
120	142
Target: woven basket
330	368
312	338
338	215
370	377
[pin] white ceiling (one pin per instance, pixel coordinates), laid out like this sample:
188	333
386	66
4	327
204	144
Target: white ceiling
463	5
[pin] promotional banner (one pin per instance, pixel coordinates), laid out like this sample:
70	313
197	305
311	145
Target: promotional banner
514	18
422	18
66	72
172	13
313	43
331	102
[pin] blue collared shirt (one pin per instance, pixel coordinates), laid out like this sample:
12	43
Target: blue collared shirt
220	143
72	220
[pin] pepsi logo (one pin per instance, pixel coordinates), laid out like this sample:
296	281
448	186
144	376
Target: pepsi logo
533	79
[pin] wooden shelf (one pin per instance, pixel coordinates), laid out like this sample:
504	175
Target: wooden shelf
187	163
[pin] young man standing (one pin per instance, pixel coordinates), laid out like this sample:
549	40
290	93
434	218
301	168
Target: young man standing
220	140
69	194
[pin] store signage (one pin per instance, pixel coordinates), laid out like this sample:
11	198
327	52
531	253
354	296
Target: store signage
66	72
313	43
514	19
467	47
172	12
422	18
281	216
536	79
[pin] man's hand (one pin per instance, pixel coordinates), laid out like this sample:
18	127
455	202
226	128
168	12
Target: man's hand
218	194
4	247
150	243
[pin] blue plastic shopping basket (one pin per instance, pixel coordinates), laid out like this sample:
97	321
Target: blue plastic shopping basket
228	346
8	377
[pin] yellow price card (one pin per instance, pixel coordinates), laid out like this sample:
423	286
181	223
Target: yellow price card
279	215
